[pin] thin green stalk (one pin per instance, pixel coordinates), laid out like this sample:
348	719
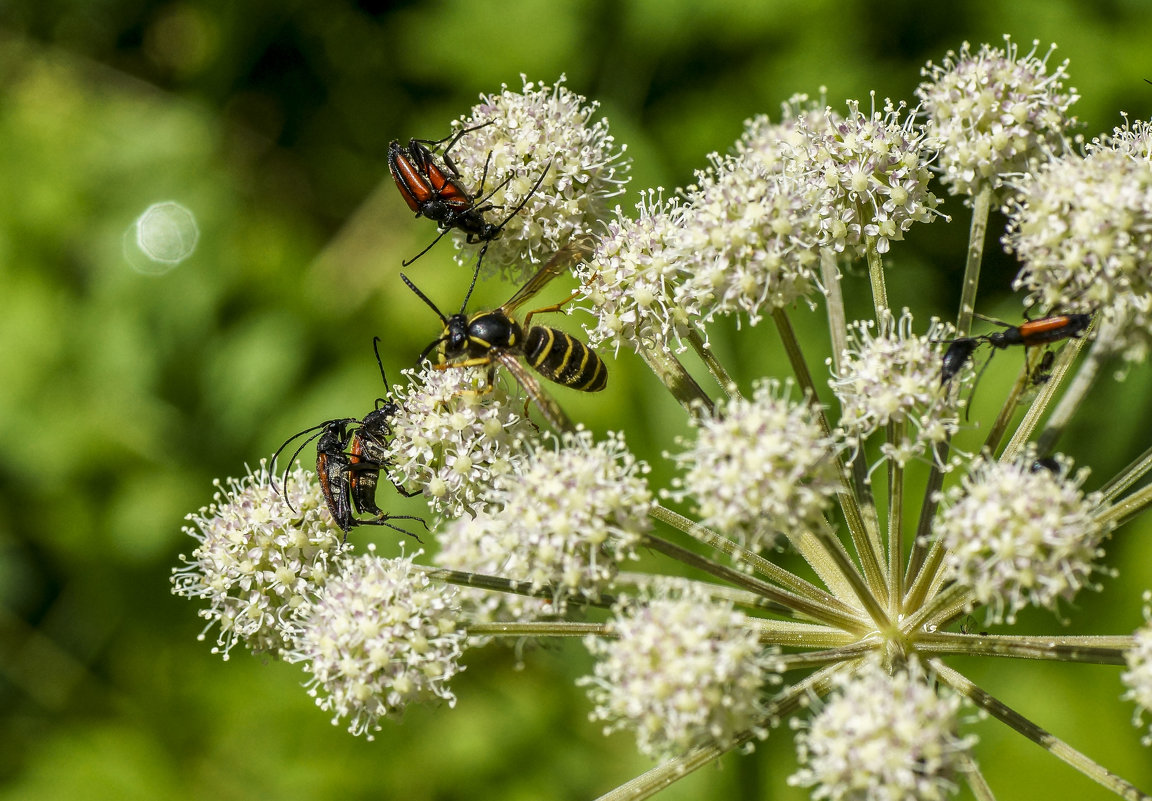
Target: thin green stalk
981	206
772	571
834	300
785	603
708	356
895	528
1043	397
497	584
678	381
1101	350
1049	742
928	508
550	628
865	537
975	779
996	432
1096	650
1135	471
792	634
922	584
1125	509
876	274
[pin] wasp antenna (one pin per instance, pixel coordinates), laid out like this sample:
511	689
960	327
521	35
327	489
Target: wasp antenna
528	196
439	236
428	349
475	275
424	298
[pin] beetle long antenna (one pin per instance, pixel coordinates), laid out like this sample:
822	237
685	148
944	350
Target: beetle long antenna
319	429
439	236
424	298
972	394
988	319
380	364
527	197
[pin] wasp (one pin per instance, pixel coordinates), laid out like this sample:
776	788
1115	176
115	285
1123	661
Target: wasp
437	192
350	455
492	336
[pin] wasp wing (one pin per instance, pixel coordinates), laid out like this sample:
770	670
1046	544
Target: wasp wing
544	402
565	258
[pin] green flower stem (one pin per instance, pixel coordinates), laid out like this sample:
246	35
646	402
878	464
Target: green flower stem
678	381
776	574
1049	742
554	628
792	634
1091	649
981	206
1101	350
926	576
975	779
944	605
1122	511
497	584
928	509
668	773
834	298
865	537
1043	397
783	603
876	274
895	528
1135	471
830	656
996	432
708	356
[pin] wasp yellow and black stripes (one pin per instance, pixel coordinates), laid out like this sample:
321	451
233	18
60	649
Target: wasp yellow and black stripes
564	359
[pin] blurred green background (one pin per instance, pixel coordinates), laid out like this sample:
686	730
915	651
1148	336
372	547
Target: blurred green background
123	394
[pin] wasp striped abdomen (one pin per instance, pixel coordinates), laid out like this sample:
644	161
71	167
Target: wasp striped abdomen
564	359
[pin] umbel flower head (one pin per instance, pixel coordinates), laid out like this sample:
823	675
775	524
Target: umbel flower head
994	111
546	131
264	546
760	467
379	636
681	670
1138	677
883	735
570	515
893	376
454	433
1020	534
629	278
1082	229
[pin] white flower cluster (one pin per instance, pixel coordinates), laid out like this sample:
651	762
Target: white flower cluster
454	434
682	670
628	279
993	112
264	547
379	637
1019	534
1082	228
873	172
883	736
759	467
572	512
523	134
893	376
1138	677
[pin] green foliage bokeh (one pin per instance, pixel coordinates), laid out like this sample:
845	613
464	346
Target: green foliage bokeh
122	395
